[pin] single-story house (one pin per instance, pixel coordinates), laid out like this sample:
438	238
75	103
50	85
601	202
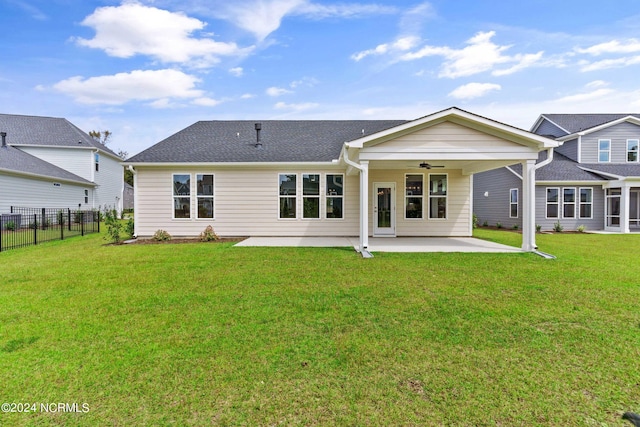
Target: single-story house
591	181
328	177
47	162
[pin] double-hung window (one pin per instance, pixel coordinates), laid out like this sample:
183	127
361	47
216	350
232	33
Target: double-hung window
335	196
552	202
182	196
513	203
413	196
586	202
437	196
604	150
287	187
632	150
97	161
311	196
205	195
568	202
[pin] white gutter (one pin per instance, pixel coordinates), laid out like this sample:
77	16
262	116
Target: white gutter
548	160
364	201
135	200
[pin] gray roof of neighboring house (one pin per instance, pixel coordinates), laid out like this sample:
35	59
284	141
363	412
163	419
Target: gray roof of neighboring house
573	123
49	131
16	160
561	168
282	141
626	170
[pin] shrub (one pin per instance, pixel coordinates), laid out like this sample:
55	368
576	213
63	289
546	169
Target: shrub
581	228
557	227
114	226
515	226
130	227
485	224
538	228
10	225
498	225
475	221
208	235
61	217
161	236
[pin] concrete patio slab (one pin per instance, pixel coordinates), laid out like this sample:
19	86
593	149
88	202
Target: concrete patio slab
387	244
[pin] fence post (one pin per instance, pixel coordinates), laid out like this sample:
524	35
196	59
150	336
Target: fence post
2	228
69	218
99	218
35	229
81	223
60	219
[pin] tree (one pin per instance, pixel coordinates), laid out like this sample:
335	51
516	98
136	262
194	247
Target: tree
101	136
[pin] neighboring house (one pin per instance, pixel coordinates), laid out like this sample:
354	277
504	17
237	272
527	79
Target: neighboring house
127	196
326	178
592	180
49	162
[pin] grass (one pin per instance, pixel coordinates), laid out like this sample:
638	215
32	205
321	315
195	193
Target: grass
201	334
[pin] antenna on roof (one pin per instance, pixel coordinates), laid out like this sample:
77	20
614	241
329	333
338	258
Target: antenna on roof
4	139
258	140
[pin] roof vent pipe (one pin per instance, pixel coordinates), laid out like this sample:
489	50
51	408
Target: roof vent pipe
258	140
4	139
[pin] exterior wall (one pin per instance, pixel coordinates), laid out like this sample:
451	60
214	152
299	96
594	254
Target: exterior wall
246	204
76	161
569	149
40	193
547	128
570	224
494	208
618	135
128	197
110	180
458	204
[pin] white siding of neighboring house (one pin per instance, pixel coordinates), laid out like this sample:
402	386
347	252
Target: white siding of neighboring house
458	204
246	203
618	134
22	191
78	161
110	180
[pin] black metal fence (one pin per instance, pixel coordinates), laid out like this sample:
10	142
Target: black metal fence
30	226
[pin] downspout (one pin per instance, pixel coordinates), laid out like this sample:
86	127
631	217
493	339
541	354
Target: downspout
364	236
548	160
135	200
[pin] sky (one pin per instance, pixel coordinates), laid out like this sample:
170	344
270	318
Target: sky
146	69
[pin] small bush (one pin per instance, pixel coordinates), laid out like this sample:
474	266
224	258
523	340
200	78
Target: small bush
557	227
581	228
114	226
485	224
130	227
515	227
10	225
498	225
208	235
538	228
161	236
475	221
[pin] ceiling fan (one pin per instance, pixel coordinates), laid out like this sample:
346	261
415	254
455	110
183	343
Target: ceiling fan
425	165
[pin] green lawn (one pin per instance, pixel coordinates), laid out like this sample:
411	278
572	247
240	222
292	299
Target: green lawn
201	334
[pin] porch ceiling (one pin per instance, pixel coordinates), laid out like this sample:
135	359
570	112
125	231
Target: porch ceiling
466	166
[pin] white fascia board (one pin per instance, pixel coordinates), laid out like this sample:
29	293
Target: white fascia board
630	119
448	155
571	183
47	177
334	162
462	117
543	117
598	172
513	172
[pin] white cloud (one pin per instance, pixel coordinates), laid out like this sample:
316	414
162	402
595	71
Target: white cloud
132	29
613	46
247	96
304	82
295	107
206	102
480	55
586	96
277	91
402	44
343	10
236	71
605	64
137	85
474	90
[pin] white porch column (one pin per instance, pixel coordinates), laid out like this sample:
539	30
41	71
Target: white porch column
364	205
624	208
529	205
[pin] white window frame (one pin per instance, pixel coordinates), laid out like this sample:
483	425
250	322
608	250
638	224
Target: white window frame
636	151
280	196
212	197
547	203
608	150
574	203
581	203
334	196
412	196
446	197
174	197
318	196
512	203
96	160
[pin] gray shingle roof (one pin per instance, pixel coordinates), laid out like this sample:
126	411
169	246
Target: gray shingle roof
50	131
282	141
626	170
14	159
578	122
563	168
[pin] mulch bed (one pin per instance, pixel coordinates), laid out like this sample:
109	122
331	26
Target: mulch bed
181	240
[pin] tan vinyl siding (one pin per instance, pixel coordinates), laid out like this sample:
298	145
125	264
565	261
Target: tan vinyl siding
36	193
246	204
458	204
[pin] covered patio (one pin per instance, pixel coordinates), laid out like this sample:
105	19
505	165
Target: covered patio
386	244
